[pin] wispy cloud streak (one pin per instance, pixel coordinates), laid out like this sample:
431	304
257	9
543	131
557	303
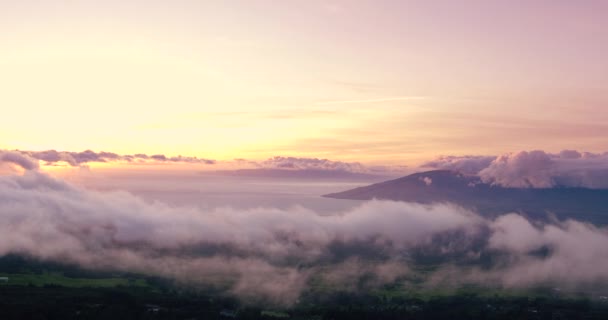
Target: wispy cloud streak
388	99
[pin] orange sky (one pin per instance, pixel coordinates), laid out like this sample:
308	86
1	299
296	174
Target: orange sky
371	81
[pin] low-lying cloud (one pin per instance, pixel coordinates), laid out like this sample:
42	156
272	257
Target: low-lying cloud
314	167
532	169
75	159
306	167
272	254
294	163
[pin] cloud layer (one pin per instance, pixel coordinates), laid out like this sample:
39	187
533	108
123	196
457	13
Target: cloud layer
533	169
80	158
306	167
50	219
272	254
316	166
311	163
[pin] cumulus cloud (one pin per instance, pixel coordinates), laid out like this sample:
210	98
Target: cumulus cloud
271	254
88	156
571	254
463	164
532	169
521	170
19	159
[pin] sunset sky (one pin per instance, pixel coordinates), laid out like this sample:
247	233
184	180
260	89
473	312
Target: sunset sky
386	82
257	159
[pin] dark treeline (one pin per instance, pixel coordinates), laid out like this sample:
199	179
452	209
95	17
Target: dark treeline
55	302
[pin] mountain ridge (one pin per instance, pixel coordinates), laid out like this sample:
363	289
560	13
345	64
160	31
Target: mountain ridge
471	192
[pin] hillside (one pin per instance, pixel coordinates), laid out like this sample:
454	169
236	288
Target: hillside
470	192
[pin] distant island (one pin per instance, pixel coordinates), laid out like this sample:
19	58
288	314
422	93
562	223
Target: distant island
469	191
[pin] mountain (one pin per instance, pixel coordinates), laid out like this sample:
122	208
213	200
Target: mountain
470	192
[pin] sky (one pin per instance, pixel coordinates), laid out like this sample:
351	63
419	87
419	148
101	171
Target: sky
378	82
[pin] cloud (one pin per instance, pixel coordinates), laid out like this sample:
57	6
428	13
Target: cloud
532	169
302	167
464	164
76	159
271	254
293	163
19	159
278	166
50	219
575	254
521	170
428	181
376	100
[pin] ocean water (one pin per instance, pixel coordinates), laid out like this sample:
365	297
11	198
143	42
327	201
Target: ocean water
213	191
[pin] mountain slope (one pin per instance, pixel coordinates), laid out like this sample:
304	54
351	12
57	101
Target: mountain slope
470	192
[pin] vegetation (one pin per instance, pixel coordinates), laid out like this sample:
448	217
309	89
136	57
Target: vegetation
37	290
57	302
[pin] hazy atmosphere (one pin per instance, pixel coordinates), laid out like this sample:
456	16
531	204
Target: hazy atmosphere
303	159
